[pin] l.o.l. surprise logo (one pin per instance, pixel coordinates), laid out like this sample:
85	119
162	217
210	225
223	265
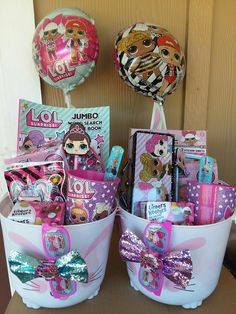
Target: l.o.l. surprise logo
60	70
80	189
44	119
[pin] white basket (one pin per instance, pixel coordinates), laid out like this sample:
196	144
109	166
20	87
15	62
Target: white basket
207	244
92	240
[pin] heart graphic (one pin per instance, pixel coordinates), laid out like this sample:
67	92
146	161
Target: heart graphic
228	212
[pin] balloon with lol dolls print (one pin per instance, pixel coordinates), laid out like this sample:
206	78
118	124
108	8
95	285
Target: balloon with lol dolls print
150	60
65	49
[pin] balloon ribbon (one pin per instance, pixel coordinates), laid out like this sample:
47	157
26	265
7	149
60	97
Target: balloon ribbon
158	120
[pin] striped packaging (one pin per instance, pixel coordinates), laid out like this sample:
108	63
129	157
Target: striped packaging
43	182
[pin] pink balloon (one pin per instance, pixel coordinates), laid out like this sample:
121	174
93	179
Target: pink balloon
65	48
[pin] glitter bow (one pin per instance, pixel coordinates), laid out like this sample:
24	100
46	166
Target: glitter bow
69	266
174	265
77	129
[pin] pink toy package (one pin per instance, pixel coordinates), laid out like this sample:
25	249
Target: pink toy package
179	213
52	213
57	244
41	182
38	212
157	238
48	151
151	171
213	202
187	142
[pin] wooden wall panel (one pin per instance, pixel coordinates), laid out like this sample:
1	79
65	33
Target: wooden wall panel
104	85
200	15
221	118
206	31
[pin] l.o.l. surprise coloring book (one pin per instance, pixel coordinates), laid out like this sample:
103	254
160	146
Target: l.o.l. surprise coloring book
40	123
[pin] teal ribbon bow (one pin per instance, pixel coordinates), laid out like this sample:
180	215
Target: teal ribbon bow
69	266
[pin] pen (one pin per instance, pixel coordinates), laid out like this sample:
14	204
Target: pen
113	163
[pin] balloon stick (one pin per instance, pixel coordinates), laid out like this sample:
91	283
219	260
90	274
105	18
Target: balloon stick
67	99
158	120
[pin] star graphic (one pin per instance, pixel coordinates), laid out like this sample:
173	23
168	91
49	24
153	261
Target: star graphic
99	139
60	135
26	106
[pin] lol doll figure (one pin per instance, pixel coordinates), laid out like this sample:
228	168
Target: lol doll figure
79	154
32	141
77	40
140	47
101	211
154	238
48	36
171	57
78	214
56	243
189	138
157	145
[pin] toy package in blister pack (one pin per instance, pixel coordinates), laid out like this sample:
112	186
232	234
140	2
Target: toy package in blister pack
151	168
189	143
35	212
48	151
40	123
179	213
186	143
42	182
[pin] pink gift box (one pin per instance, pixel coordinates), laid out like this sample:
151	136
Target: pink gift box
178	213
52	212
213	202
38	212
